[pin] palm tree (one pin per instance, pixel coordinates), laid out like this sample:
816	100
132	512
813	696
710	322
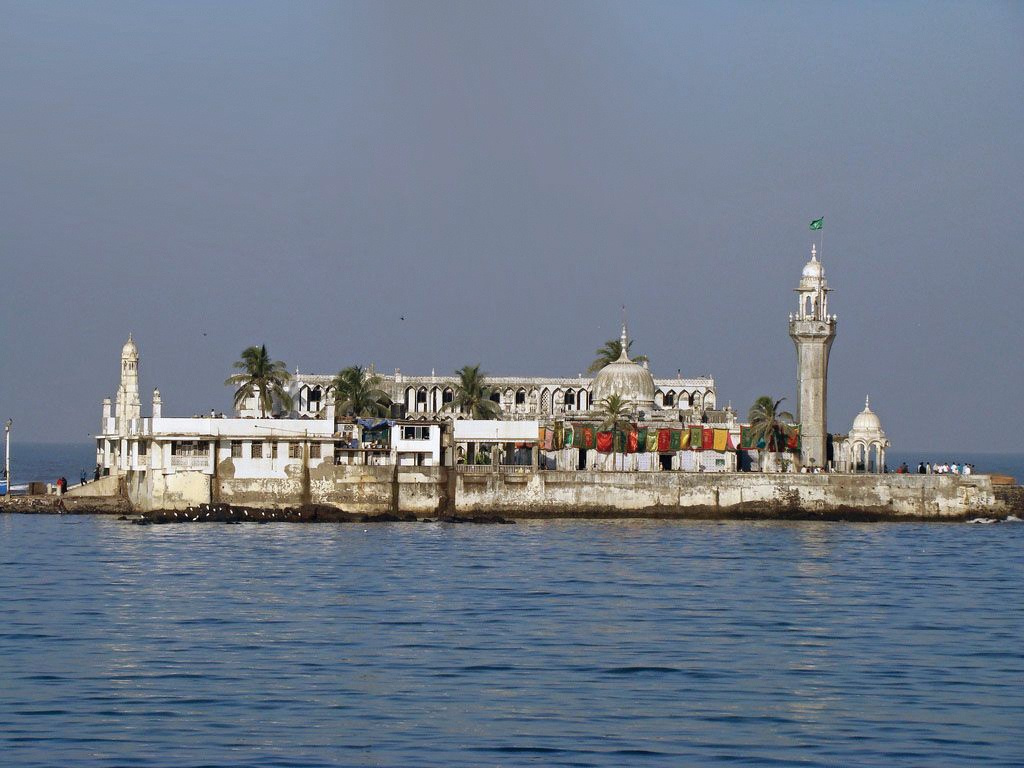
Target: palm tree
473	396
357	392
766	421
262	377
609	352
614	412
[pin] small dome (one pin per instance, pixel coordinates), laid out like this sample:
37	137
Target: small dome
129	349
813	267
867	420
628	380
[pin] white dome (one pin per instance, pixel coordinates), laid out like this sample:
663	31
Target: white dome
129	349
632	382
813	267
867	420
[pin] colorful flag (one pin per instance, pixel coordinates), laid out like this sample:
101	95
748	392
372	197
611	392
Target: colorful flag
604	442
674	443
653	440
721	439
818	223
588	437
567	436
631	441
707	442
696	438
641	439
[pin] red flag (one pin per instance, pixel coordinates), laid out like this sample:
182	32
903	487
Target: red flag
707	442
604	442
664	440
631	441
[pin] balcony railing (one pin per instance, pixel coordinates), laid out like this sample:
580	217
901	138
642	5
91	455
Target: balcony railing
190	462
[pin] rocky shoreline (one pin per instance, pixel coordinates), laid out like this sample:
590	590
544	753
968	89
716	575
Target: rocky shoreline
308	513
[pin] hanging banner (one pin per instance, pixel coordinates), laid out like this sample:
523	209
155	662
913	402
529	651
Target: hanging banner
567	435
664	440
641	439
684	439
604	442
696	438
793	438
577	436
620	441
549	439
721	439
589	436
708	439
675	443
653	437
747	440
631	441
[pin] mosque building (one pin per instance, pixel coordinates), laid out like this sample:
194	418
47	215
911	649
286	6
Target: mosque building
676	422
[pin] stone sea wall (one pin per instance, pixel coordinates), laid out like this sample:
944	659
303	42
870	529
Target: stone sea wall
439	491
741	494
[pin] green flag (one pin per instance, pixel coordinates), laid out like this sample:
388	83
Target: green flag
817	223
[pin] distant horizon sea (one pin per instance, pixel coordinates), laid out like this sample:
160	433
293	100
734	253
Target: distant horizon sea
34	462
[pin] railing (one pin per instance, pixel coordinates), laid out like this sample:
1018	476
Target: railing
190	462
487	469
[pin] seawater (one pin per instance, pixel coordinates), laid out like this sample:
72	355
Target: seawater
547	643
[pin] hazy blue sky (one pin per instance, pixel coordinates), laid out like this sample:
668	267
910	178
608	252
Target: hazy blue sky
213	175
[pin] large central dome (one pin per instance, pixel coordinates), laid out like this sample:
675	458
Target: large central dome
632	382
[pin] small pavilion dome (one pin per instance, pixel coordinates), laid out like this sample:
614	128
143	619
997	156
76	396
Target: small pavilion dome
630	381
813	268
867	420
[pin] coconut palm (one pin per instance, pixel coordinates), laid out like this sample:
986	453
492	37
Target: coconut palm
766	421
262	377
358	392
609	352
614	413
473	396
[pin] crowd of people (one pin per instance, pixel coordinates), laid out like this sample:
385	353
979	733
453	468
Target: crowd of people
927	468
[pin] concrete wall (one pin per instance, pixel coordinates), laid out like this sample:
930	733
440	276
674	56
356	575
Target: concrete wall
676	494
427	491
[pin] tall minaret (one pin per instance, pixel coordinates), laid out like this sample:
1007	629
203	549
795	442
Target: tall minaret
812	330
129	406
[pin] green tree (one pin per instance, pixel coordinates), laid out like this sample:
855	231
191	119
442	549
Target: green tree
614	413
609	352
473	396
262	377
358	392
766	421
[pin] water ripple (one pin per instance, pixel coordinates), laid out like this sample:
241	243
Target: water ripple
557	643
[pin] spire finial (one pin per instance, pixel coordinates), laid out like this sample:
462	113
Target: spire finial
624	338
867	402
814	252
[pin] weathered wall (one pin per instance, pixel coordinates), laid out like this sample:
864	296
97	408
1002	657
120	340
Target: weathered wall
425	491
675	494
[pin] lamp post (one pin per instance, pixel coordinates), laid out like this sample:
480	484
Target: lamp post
7	456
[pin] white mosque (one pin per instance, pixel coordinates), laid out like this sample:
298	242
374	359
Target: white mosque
128	441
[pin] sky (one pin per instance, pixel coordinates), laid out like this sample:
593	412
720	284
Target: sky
505	176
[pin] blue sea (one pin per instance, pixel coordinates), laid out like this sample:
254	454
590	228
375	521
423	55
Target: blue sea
545	644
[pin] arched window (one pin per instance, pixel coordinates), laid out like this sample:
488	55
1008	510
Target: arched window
447	396
496	397
421	399
521	397
808	304
570	398
670	399
315	394
545	401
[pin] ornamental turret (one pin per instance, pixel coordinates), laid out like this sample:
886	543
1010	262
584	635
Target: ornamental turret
813	331
129	406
